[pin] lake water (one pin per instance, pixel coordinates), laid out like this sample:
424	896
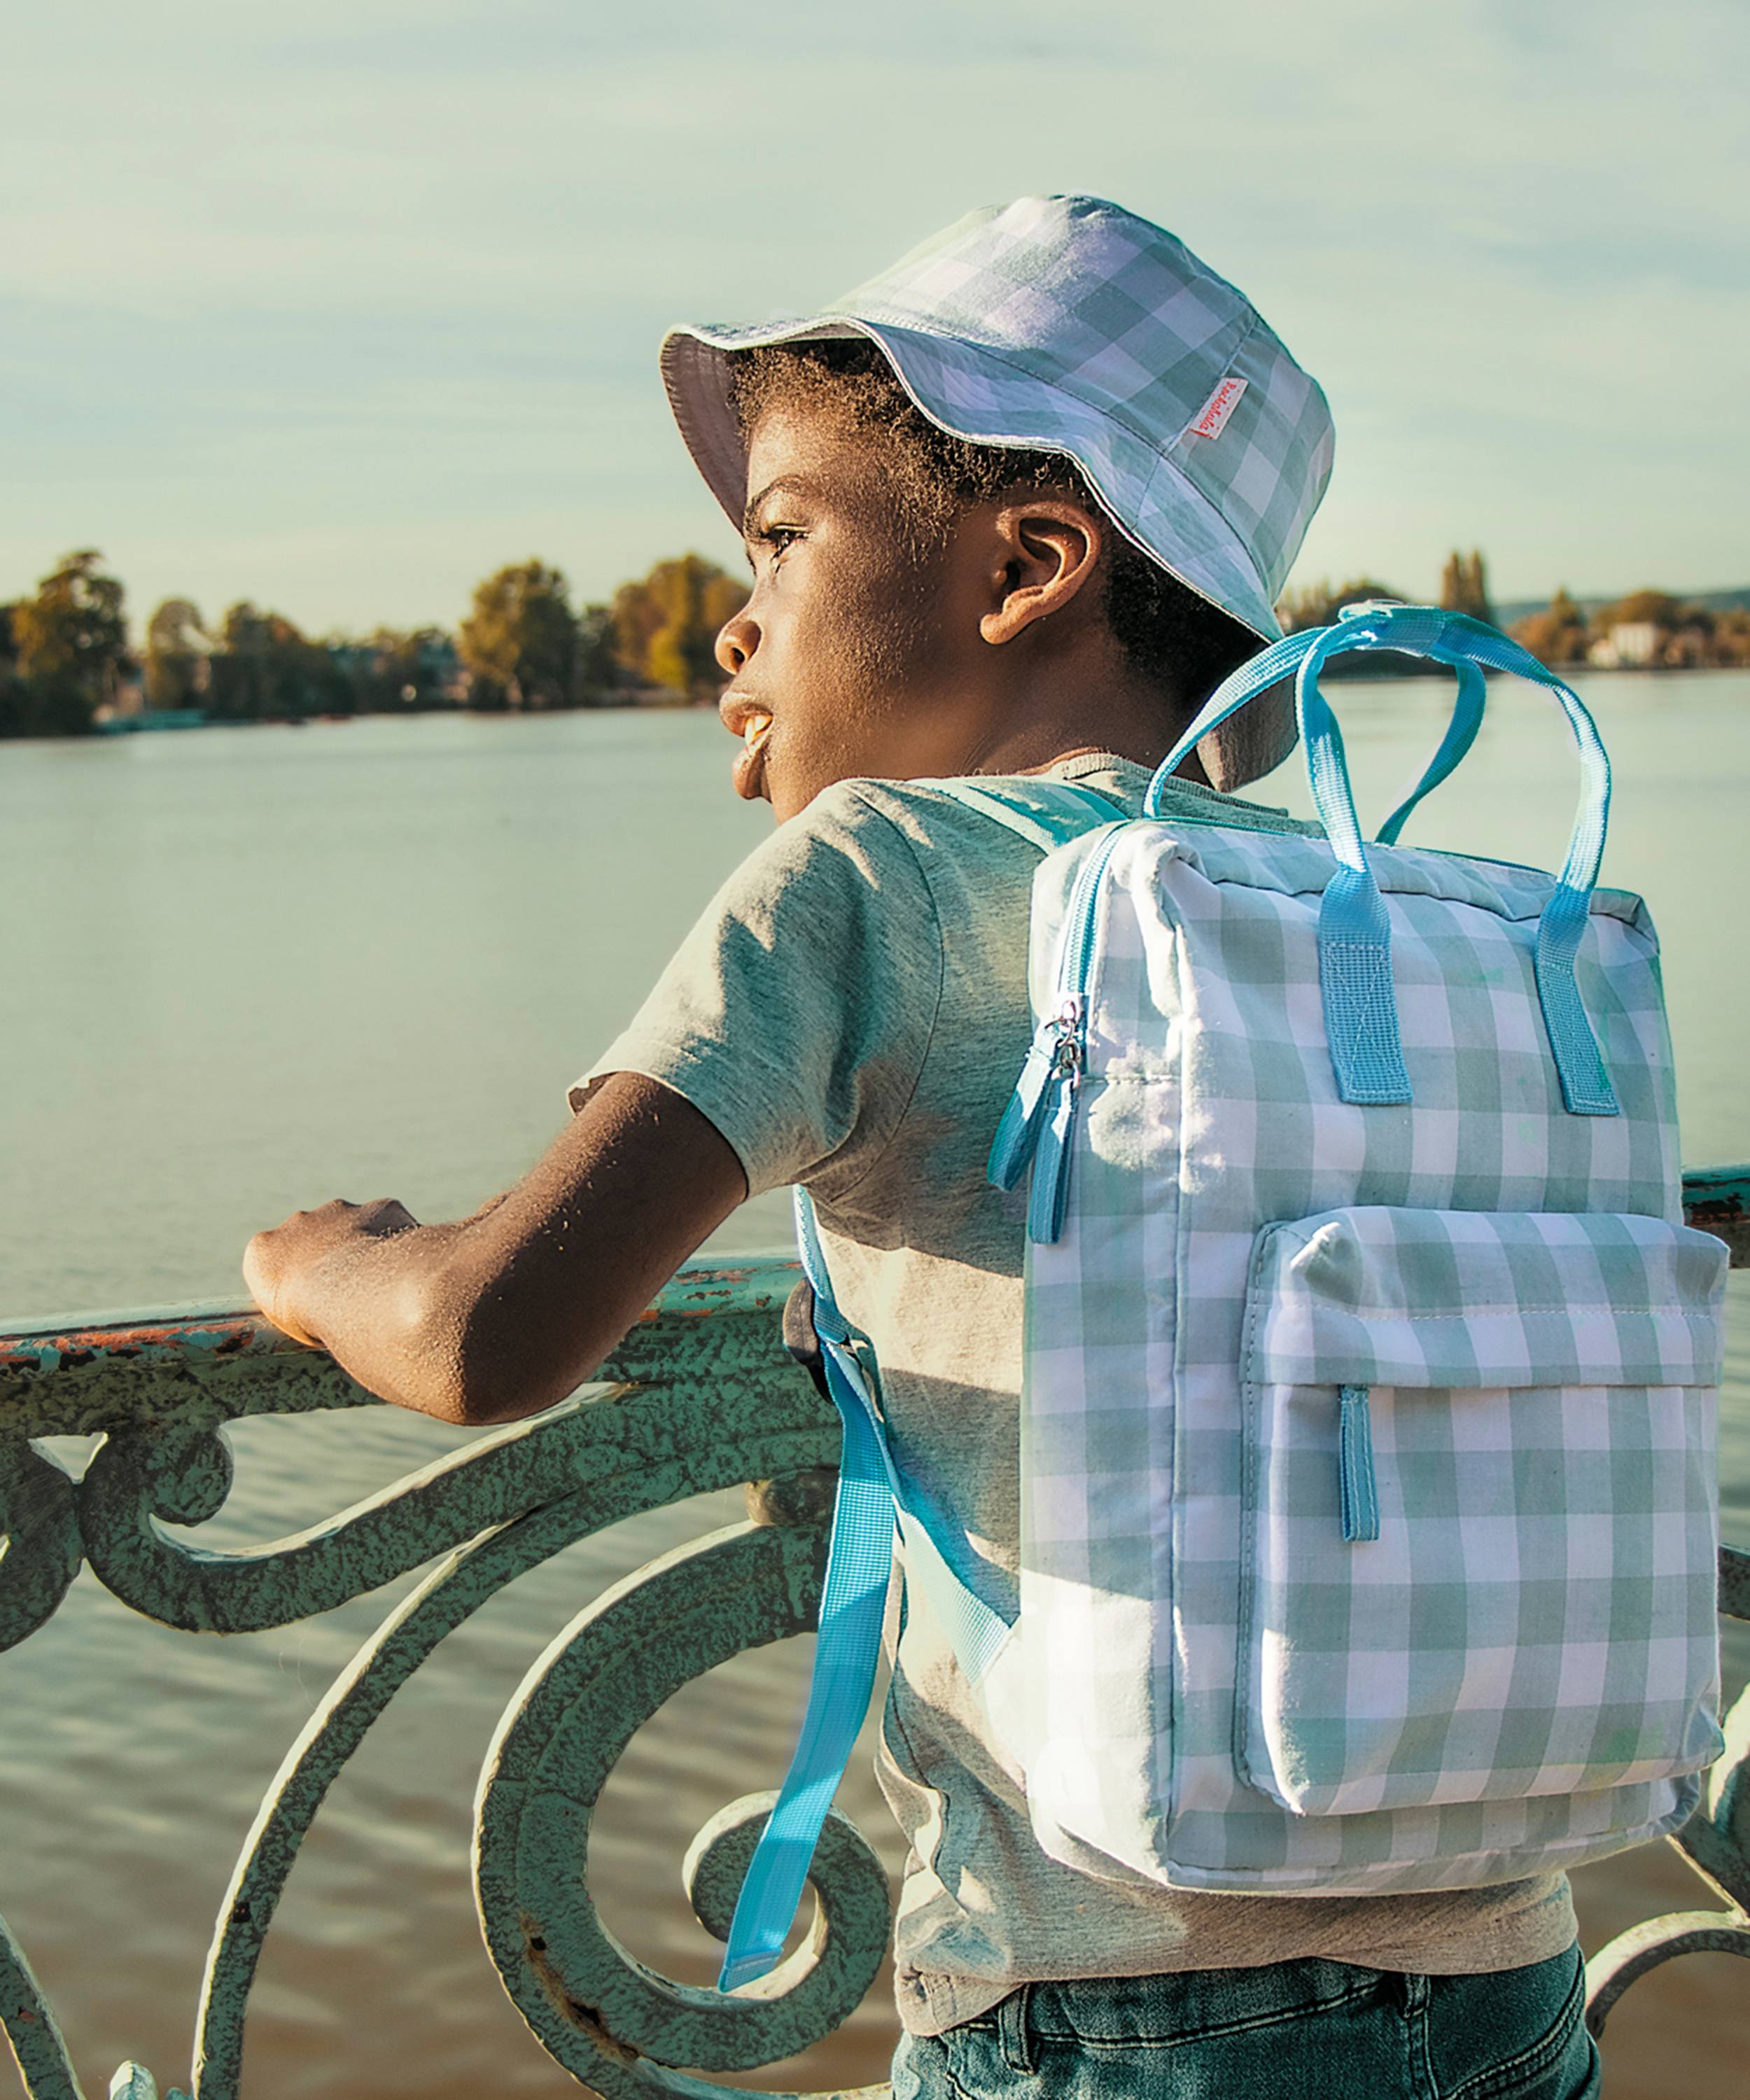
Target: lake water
250	969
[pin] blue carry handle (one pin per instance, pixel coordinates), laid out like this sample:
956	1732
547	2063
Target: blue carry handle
871	1499
1454	747
1355	954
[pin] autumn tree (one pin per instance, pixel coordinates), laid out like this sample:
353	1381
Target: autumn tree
1731	637
520	643
1692	646
1464	586
70	641
177	647
1650	608
1558	635
666	625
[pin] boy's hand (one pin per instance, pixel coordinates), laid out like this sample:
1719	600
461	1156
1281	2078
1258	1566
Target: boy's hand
497	1315
274	1262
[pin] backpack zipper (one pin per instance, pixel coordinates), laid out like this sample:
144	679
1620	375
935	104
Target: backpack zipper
1039	1121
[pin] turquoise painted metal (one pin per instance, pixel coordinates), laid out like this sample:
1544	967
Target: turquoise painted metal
700	1396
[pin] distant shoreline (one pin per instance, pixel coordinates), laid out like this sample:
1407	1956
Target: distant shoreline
144	721
162	720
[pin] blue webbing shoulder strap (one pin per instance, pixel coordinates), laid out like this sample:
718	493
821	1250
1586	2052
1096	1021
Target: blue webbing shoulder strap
853	1597
1070	809
872	1499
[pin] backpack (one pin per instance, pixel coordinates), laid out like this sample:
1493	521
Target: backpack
1368	1515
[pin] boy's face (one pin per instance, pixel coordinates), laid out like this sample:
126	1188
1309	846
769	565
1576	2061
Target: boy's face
858	652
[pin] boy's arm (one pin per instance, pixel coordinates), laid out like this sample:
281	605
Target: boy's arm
503	1313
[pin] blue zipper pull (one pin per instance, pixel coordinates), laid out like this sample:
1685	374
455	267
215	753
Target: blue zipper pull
1359	1493
1039	1122
1035	1091
1018	1131
1049	1197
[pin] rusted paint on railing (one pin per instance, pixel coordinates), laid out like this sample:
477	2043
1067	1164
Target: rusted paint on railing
230	1352
700	1395
193	1340
1717	1200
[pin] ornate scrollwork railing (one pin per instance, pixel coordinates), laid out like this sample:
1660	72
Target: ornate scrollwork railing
160	1394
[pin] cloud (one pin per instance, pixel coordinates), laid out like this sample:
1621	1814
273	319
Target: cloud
310	298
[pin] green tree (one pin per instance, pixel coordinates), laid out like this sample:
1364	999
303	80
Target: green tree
71	640
240	686
520	642
666	623
1317	605
1464	586
13	695
176	653
265	669
601	675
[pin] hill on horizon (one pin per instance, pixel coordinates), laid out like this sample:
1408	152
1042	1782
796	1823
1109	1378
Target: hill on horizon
1509	609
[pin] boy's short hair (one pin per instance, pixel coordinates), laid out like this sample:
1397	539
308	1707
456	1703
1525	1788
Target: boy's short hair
1170	636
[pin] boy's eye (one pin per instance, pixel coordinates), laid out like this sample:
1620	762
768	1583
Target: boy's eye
777	537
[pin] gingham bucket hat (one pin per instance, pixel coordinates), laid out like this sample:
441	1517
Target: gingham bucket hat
1066	324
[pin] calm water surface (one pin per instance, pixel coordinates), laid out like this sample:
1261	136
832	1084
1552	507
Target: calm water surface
251	969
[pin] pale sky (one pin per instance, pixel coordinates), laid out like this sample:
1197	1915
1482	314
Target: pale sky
339	306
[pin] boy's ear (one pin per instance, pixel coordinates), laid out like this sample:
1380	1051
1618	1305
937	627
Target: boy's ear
1045	551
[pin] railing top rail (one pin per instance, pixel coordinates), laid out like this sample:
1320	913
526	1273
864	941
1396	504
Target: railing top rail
1716	1199
225	1328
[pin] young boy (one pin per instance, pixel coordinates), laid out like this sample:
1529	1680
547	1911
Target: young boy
1013	509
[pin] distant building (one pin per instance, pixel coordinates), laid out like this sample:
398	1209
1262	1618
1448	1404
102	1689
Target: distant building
1633	645
411	670
457	680
441	660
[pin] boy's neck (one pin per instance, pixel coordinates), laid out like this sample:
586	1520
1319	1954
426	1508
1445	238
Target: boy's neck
1040	754
1082	702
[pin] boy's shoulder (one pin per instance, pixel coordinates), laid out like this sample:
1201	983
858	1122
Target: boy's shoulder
869	849
926	812
904	838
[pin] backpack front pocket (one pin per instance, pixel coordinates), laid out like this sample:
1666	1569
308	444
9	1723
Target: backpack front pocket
1481	1544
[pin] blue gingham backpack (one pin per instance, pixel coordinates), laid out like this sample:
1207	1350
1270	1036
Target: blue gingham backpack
1369	1532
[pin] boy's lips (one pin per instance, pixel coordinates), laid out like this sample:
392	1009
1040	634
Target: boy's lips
749	773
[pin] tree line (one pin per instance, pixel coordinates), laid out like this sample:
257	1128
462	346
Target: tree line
66	662
66	658
1464	587
1647	629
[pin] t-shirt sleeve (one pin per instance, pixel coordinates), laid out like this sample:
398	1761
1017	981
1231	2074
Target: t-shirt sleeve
797	1014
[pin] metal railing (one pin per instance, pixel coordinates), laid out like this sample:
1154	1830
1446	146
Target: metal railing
700	1397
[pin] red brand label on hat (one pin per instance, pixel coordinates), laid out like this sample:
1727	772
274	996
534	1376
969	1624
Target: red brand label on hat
1217	409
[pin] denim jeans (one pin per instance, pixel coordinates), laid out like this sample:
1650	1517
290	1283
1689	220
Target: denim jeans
1308	2030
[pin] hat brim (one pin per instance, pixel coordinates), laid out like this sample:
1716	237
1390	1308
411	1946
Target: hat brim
975	393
